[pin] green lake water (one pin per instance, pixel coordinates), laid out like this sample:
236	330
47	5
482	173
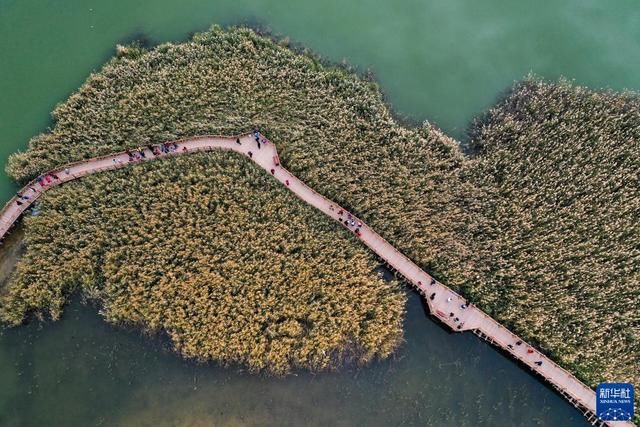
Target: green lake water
444	61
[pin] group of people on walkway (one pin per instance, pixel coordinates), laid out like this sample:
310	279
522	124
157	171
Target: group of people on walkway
463	306
350	221
23	198
156	150
259	138
529	351
165	148
47	179
43	181
452	315
136	155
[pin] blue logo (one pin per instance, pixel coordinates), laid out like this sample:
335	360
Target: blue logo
614	401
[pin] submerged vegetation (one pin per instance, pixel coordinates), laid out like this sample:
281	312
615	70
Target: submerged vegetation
216	253
539	227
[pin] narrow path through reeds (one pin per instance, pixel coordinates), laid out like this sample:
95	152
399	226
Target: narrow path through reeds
445	304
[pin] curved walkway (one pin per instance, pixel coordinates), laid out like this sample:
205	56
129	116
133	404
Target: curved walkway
449	307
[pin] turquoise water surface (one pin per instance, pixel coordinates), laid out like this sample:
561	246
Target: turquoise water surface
444	61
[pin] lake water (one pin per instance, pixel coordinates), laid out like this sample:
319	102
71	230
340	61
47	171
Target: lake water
439	60
81	371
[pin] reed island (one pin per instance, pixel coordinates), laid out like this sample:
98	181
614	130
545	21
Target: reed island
534	219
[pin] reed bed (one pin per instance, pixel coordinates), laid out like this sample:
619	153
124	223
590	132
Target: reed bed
213	252
539	226
557	243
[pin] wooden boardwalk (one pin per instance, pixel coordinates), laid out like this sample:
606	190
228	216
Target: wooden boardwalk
445	304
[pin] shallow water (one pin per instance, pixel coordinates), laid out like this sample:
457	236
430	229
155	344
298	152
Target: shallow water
441	60
81	371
